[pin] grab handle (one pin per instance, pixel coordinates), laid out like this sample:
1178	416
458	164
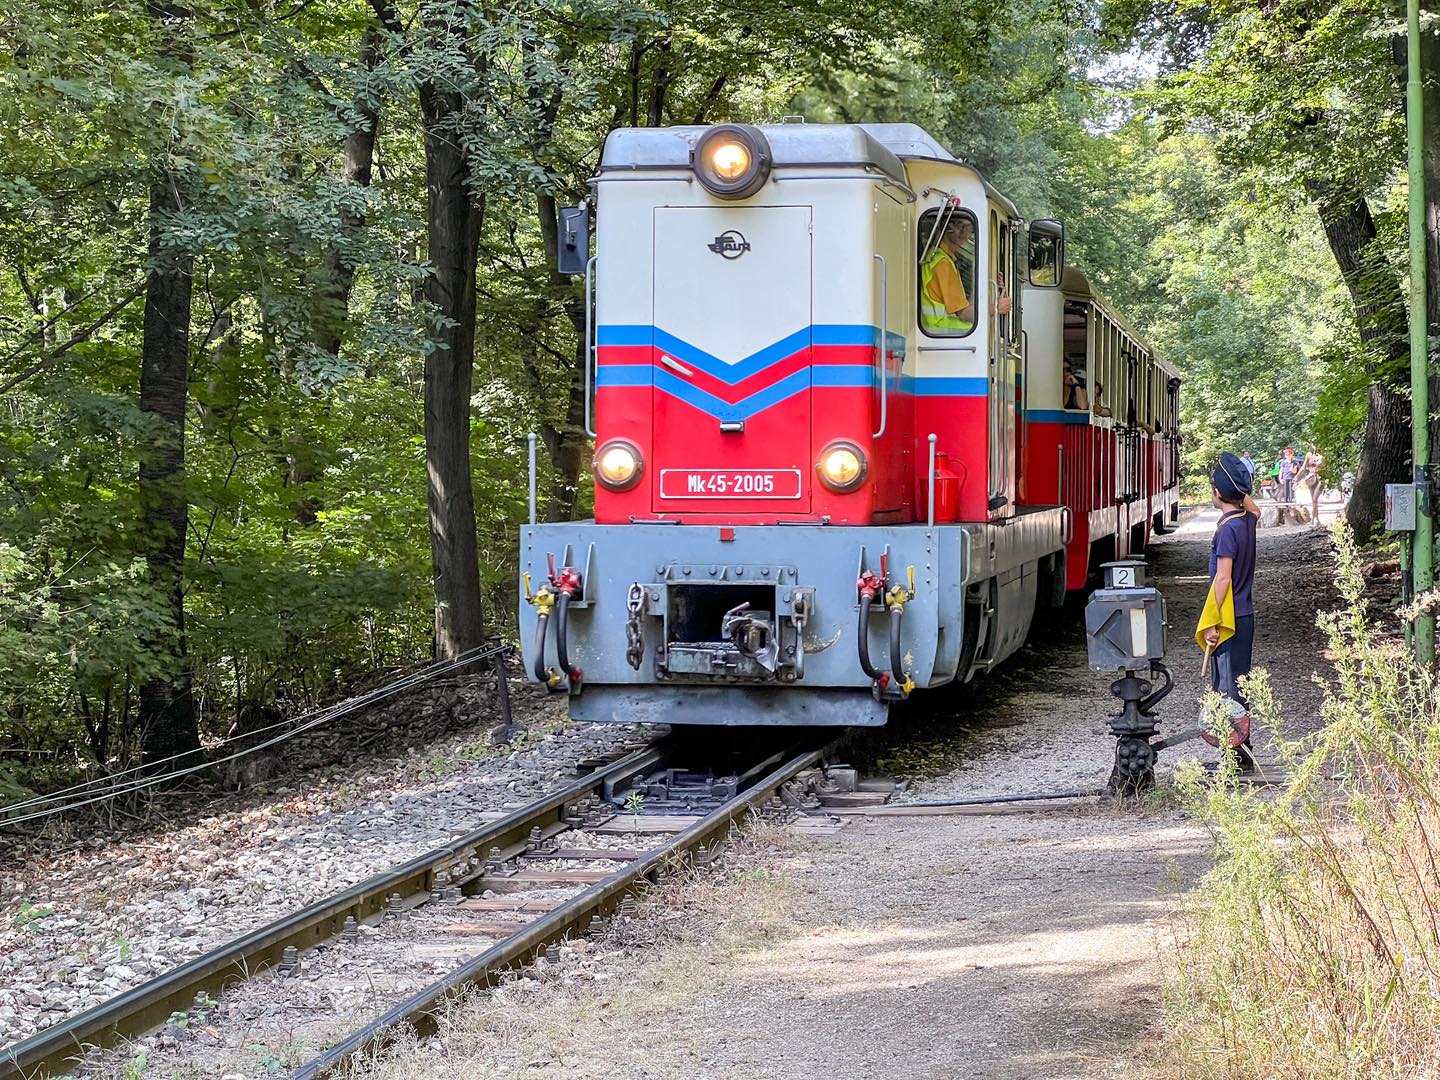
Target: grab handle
884	345
589	343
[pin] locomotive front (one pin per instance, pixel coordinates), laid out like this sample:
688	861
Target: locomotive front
765	548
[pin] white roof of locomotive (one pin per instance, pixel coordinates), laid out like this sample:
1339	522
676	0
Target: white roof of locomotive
878	147
790	145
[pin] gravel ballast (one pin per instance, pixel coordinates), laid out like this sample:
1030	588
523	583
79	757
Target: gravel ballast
82	926
1005	946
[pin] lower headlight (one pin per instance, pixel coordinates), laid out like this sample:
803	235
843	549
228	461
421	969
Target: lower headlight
618	465
842	466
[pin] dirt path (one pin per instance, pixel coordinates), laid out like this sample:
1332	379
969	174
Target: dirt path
999	946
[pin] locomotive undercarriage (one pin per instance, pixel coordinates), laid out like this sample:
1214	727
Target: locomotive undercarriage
755	625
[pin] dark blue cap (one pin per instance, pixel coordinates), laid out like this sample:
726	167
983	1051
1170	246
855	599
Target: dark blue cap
1231	478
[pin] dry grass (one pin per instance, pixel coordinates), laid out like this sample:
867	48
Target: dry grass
1312	949
613	999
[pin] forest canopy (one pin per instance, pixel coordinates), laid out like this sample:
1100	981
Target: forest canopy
279	300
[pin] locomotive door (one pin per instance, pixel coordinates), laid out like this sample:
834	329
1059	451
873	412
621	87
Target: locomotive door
732	359
1001	366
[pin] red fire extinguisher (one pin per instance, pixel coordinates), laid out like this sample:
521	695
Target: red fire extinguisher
947	490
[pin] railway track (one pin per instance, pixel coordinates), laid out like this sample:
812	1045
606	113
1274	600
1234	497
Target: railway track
520	883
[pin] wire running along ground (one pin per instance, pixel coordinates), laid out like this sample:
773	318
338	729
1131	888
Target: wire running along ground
85	794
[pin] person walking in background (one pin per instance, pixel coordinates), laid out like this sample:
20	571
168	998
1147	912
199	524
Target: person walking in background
1249	462
1232	572
1309	479
1289	468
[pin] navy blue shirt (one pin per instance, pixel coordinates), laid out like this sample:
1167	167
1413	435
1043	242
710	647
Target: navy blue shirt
1235	539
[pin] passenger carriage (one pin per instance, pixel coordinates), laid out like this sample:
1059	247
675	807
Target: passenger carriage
810	495
1102	431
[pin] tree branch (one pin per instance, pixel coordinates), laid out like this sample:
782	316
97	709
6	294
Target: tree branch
76	338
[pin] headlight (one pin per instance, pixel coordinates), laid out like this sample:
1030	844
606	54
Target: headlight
732	160
842	466
618	465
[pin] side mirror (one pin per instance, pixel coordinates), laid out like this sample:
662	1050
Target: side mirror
572	250
1047	254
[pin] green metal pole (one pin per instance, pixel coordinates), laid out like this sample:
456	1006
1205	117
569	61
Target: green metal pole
1422	553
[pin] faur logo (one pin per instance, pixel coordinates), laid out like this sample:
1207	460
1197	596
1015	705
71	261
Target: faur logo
730	244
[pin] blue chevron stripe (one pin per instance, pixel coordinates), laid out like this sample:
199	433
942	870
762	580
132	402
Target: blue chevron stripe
944	386
755	363
731	374
1057	416
842	375
621	334
828	376
743	409
624	375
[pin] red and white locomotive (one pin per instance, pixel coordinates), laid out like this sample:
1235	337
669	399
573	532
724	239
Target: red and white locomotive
853	427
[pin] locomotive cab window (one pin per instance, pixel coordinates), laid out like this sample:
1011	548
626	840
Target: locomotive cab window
947	272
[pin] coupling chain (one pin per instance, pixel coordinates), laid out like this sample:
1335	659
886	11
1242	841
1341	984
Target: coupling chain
634	637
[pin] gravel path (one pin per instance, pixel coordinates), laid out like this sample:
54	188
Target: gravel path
1015	946
78	928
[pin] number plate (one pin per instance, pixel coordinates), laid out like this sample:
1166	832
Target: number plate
730	483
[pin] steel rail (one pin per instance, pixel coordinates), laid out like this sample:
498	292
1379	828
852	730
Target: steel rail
59	1049
420	1011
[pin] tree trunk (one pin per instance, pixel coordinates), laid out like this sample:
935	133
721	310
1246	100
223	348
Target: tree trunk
167	707
454	215
1380	316
337	276
356	165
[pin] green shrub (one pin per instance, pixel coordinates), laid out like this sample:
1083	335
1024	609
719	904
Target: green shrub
1314	943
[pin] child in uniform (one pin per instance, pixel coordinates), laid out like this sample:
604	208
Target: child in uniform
1232	569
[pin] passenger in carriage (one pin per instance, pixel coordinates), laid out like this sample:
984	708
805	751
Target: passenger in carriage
1101	409
945	305
1075	394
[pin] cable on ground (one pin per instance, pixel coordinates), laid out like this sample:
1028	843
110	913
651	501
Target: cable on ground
81	795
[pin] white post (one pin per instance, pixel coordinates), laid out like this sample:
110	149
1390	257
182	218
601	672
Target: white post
531	440
931	518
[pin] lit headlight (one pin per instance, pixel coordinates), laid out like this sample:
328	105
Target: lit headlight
618	465
842	466
729	160
732	160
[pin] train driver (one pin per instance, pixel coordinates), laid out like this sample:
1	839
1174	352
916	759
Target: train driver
946	309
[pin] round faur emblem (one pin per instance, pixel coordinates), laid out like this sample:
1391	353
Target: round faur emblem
730	244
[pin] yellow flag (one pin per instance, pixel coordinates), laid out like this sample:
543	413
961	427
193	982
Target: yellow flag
1221	615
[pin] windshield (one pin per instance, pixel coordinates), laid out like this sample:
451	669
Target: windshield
947	272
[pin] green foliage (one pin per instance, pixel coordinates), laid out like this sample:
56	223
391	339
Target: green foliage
635	806
29	915
1312	947
307	554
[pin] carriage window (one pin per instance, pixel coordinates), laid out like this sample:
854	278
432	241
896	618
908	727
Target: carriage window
1074	393
1105	372
947	272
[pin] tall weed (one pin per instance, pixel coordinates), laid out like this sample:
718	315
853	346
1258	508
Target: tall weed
1313	945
